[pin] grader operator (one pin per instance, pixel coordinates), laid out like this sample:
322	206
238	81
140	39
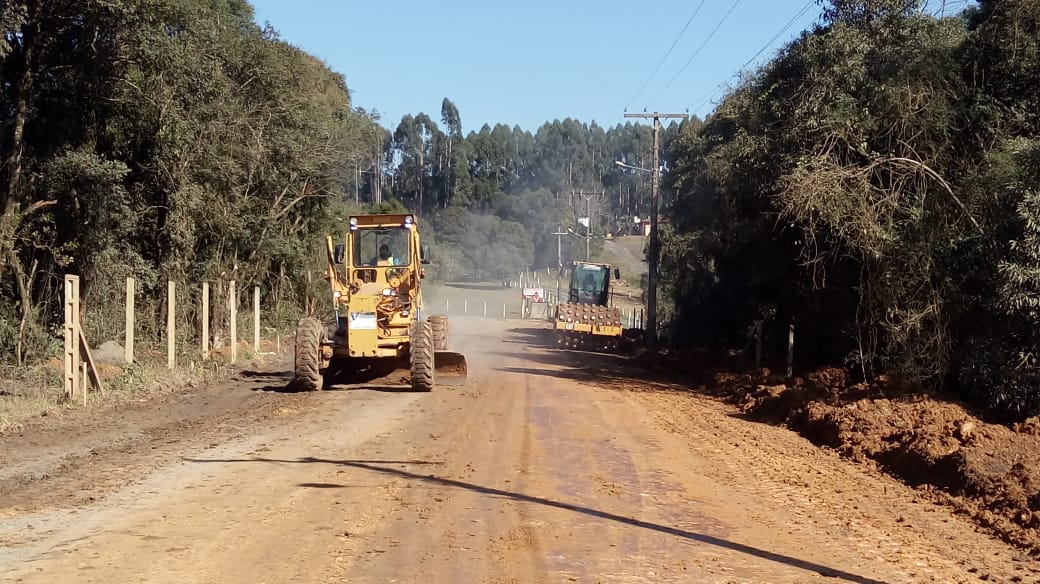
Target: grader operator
375	277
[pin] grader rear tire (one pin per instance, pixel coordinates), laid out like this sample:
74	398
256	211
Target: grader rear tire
421	357
307	373
439	324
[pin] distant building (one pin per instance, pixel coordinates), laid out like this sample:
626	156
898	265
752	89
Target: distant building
645	225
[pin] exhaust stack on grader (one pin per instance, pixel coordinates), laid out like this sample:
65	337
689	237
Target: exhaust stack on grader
375	276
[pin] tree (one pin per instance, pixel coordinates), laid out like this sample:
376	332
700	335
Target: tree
863	184
169	139
482	246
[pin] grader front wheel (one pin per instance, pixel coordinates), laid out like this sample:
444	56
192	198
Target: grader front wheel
307	373
421	357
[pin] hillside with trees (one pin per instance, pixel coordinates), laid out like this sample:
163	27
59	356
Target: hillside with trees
875	184
169	139
179	140
536	183
844	384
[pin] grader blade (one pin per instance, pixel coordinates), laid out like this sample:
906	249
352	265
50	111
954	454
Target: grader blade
450	367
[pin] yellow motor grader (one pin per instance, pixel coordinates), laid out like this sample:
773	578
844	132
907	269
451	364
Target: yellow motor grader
586	320
376	276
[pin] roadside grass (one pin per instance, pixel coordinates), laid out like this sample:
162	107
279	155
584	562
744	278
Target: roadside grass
37	391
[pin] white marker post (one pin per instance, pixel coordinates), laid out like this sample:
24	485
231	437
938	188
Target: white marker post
171	324
128	350
256	321
233	308
205	320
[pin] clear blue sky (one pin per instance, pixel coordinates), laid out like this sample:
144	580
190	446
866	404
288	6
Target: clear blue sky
530	62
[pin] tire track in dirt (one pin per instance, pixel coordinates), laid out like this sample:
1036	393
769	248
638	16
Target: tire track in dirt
772	506
227	512
452	512
523	540
548	466
832	505
68	464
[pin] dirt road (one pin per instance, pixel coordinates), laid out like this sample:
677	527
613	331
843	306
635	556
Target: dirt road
546	467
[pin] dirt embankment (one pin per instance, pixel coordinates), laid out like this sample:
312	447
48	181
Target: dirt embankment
987	471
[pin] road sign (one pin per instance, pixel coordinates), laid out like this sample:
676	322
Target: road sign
534	294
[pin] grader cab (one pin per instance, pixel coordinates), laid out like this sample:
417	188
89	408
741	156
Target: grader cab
586	320
375	275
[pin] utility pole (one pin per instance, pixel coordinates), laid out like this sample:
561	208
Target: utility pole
655	243
588	217
588	226
559	249
560	260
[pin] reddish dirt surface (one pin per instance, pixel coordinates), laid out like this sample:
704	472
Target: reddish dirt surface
548	466
989	472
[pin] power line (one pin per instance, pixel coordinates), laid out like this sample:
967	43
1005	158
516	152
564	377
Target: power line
665	57
704	99
707	97
695	53
786	27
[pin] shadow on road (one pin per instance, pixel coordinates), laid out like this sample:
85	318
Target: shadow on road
381	380
611	370
487	287
266	375
382	388
500	493
275	381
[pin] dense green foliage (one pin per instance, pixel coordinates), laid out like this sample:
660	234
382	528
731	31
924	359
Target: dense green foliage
177	140
161	139
875	183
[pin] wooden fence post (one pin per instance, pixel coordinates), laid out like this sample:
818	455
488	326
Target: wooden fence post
205	320
790	350
128	349
72	374
256	320
171	324
233	309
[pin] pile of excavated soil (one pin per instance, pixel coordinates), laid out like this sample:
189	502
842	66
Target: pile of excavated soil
990	472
